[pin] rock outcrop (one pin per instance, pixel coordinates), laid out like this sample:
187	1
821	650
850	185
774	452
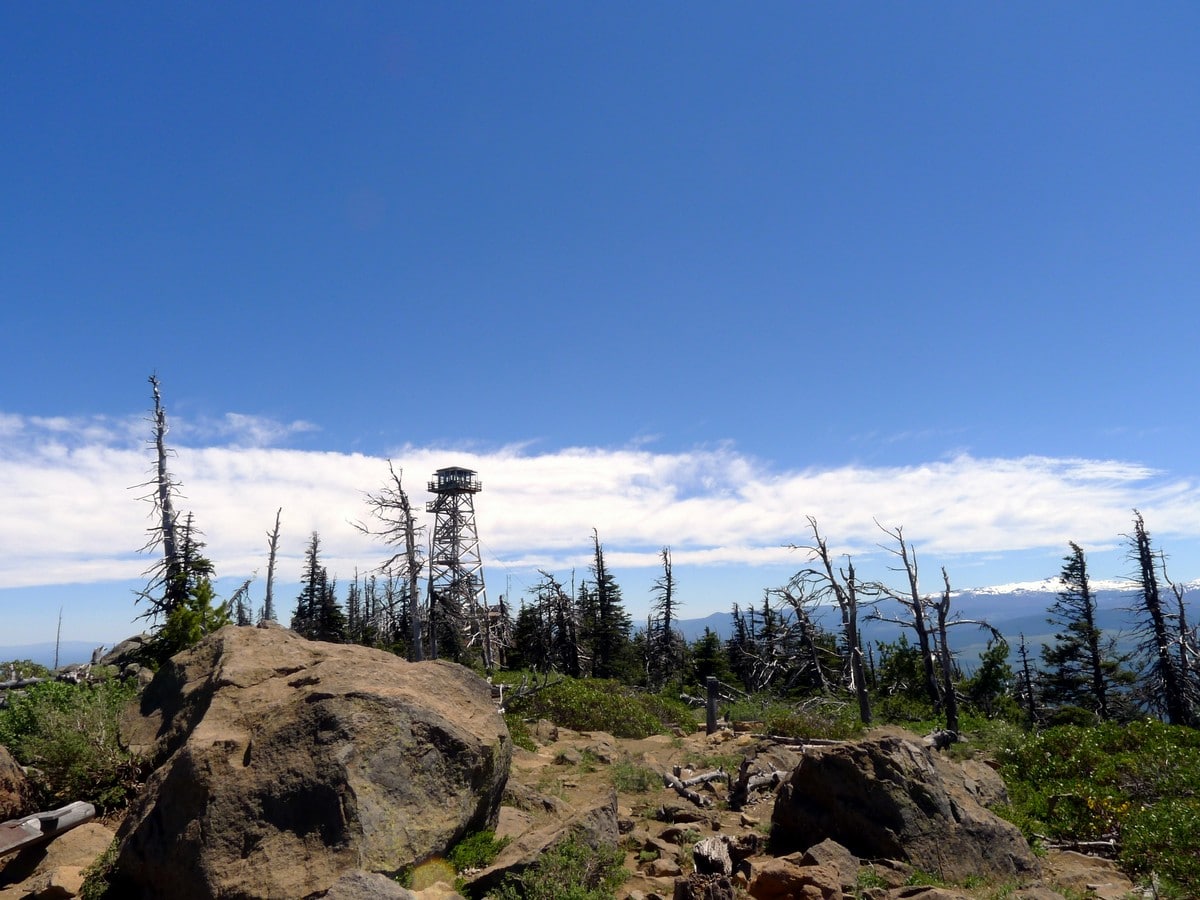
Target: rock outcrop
893	799
283	764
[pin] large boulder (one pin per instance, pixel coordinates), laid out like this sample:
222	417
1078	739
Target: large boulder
890	798
282	764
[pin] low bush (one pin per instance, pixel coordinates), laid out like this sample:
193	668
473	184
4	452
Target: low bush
814	717
68	734
476	850
570	870
593	704
1139	782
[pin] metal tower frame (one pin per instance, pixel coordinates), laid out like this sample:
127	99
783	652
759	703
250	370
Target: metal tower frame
456	587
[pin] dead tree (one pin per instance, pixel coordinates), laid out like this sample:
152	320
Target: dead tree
166	588
392	508
268	613
843	586
1165	681
911	600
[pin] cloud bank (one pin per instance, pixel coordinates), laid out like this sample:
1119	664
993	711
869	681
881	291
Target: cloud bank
71	511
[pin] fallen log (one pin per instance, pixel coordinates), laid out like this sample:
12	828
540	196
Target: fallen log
684	791
717	775
16	834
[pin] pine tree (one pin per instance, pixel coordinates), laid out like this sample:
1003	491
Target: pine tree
609	637
312	593
1081	669
196	613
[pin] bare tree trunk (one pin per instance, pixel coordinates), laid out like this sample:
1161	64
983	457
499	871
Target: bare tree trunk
844	587
174	591
943	610
273	545
915	604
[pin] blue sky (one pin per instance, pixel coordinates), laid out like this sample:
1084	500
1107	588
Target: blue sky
684	273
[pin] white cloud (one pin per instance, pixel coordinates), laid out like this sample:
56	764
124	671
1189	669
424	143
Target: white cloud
71	513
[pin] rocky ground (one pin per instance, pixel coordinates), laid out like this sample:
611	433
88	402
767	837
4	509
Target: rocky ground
291	769
578	771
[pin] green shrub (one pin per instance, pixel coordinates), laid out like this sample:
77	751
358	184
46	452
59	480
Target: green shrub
476	851
519	732
1139	781
68	733
629	778
570	870
811	718
593	704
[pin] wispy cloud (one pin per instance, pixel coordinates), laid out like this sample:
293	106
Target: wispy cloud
71	513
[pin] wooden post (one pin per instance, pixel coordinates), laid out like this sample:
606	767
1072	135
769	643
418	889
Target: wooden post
711	722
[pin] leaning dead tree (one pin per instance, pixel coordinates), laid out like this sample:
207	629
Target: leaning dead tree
391	507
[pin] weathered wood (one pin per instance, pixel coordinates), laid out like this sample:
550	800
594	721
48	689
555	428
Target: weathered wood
747	782
17	834
684	791
20	683
705	778
711	856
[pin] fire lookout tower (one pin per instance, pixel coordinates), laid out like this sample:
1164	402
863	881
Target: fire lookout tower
457	597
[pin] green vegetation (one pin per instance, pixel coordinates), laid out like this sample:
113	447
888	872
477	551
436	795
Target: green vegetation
803	717
630	778
571	870
476	851
68	734
519	732
594	704
1138	783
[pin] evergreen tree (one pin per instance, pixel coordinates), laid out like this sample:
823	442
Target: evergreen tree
710	659
312	592
196	613
610	624
990	687
1081	669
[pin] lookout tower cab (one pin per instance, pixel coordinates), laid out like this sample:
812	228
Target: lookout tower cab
453	480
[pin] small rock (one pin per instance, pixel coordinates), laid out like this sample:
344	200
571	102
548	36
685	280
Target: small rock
663	868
